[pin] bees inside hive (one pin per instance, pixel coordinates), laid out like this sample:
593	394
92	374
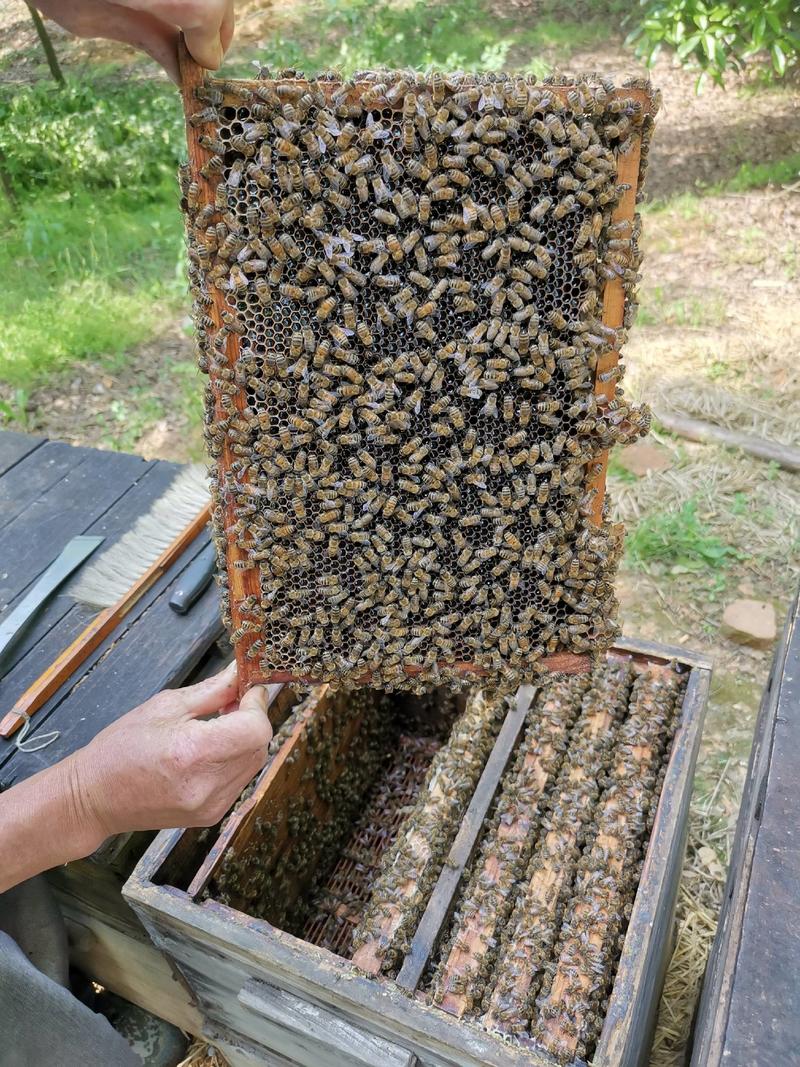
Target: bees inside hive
529	947
538	931
410	295
310	859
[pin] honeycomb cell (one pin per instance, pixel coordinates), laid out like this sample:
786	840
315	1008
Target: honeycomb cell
404	367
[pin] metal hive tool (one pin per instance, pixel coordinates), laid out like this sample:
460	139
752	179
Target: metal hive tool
410	294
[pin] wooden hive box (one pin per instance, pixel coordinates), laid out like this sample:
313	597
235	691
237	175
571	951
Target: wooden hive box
246	921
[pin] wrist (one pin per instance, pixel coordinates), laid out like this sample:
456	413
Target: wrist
88	824
44	823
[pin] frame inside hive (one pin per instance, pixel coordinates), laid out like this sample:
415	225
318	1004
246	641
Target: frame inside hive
246	584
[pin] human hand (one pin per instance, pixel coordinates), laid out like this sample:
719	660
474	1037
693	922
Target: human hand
167	764
152	25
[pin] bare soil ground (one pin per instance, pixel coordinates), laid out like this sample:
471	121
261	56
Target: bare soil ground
717	335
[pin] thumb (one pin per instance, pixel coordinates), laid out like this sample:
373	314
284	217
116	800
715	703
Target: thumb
211	695
255	699
247	729
205	47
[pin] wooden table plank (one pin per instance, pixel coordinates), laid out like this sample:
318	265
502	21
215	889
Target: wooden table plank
35	474
14	446
749	1014
154	648
61	619
156	651
34	538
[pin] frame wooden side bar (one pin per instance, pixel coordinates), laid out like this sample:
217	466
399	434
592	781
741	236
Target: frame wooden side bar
613	316
242	583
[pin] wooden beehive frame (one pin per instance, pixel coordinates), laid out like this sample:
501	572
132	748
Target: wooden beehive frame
286	962
245	583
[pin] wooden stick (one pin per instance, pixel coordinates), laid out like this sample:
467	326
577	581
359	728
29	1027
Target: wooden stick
242	583
785	456
98	629
442	899
613	316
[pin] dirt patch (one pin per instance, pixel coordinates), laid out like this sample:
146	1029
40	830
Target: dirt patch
148	401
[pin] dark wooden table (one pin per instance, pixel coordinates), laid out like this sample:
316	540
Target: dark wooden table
49	492
749	1013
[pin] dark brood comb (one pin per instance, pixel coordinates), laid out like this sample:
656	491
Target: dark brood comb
410	294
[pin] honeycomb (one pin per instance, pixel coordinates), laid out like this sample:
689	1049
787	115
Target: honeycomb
410	294
337	910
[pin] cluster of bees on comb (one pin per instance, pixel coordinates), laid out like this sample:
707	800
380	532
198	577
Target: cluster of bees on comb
537	934
400	291
293	845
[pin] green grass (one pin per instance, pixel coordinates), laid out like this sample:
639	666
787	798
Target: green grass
696	312
758	175
85	275
687	206
620	473
92	249
750	175
679	541
460	34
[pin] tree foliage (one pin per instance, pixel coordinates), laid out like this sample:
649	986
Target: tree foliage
718	37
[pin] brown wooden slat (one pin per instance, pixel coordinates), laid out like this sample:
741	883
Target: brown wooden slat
613	316
242	583
442	899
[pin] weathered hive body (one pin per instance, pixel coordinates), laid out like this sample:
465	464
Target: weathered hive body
410	296
489	884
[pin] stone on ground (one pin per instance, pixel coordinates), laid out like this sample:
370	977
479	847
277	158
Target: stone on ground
750	622
642	458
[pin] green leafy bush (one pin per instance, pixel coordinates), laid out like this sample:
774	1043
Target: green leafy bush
98	133
720	36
